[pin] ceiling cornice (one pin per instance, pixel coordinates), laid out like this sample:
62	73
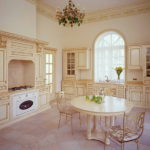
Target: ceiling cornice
118	12
101	15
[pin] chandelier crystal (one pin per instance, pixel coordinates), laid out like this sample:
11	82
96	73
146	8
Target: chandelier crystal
70	15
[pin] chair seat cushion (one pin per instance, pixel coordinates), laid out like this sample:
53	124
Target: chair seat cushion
123	136
68	110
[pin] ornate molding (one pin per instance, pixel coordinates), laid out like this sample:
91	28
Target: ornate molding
5	35
116	12
3	42
46	10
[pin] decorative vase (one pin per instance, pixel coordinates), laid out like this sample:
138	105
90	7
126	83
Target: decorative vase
118	74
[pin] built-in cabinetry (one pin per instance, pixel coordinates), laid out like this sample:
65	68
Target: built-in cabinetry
43	99
23	64
4	110
134	57
39	69
135	94
83	59
3	76
74	59
146	65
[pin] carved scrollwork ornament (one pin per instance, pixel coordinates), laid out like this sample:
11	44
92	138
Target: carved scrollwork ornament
3	42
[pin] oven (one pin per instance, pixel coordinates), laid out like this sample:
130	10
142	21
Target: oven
23	103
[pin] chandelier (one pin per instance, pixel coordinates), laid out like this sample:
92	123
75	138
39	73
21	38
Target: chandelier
70	15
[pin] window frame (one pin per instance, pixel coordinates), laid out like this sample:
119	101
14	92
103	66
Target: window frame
125	54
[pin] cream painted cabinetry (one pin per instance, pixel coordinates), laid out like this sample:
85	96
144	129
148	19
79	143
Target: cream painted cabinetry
43	99
147	95
81	87
4	111
69	87
83	59
135	94
39	69
74	60
134	57
146	65
3	80
69	63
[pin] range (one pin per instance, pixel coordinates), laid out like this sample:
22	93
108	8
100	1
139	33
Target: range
20	88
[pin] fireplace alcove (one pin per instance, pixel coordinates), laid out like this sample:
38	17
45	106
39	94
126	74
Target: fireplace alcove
21	73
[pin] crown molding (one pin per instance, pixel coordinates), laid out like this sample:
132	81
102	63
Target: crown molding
135	8
46	10
4	35
118	12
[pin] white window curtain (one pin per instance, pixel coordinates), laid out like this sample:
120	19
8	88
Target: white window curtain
109	53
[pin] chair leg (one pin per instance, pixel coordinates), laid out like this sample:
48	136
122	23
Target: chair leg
138	146
71	125
66	118
59	120
122	146
80	119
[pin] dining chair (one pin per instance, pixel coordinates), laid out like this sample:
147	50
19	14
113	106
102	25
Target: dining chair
65	108
130	130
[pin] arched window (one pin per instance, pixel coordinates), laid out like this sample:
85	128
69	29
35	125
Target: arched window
109	52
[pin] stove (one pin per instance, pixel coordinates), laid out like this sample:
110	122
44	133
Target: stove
23	102
20	88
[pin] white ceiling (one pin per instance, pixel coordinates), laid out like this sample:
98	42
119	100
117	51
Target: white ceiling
91	5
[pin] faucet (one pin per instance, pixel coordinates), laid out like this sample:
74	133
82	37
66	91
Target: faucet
107	80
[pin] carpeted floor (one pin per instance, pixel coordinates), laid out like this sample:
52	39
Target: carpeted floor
40	132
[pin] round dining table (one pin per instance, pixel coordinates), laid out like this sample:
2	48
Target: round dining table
109	109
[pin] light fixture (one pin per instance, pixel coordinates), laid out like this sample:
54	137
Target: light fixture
70	15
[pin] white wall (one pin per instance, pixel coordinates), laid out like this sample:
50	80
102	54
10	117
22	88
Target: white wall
18	16
51	32
134	28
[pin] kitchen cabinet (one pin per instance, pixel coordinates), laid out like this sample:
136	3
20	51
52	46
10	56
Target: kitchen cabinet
81	88
69	64
43	99
69	87
75	60
135	94
134	57
147	96
4	111
83	59
146	65
3	70
39	69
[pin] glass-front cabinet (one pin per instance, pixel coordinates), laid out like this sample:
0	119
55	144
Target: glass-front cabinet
71	63
146	64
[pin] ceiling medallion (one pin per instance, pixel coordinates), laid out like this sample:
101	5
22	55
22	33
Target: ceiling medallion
70	16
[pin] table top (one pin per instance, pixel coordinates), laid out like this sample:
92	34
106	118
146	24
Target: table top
111	106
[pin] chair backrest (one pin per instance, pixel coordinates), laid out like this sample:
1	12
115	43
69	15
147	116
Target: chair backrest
134	122
61	100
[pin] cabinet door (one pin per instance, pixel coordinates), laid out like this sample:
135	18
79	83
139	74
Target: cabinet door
83	59
146	65
2	70
69	64
136	95
39	69
43	100
134	59
4	112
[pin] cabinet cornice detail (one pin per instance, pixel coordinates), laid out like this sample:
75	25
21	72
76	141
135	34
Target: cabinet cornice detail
3	42
9	35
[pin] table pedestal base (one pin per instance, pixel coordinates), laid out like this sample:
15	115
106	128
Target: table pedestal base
98	134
